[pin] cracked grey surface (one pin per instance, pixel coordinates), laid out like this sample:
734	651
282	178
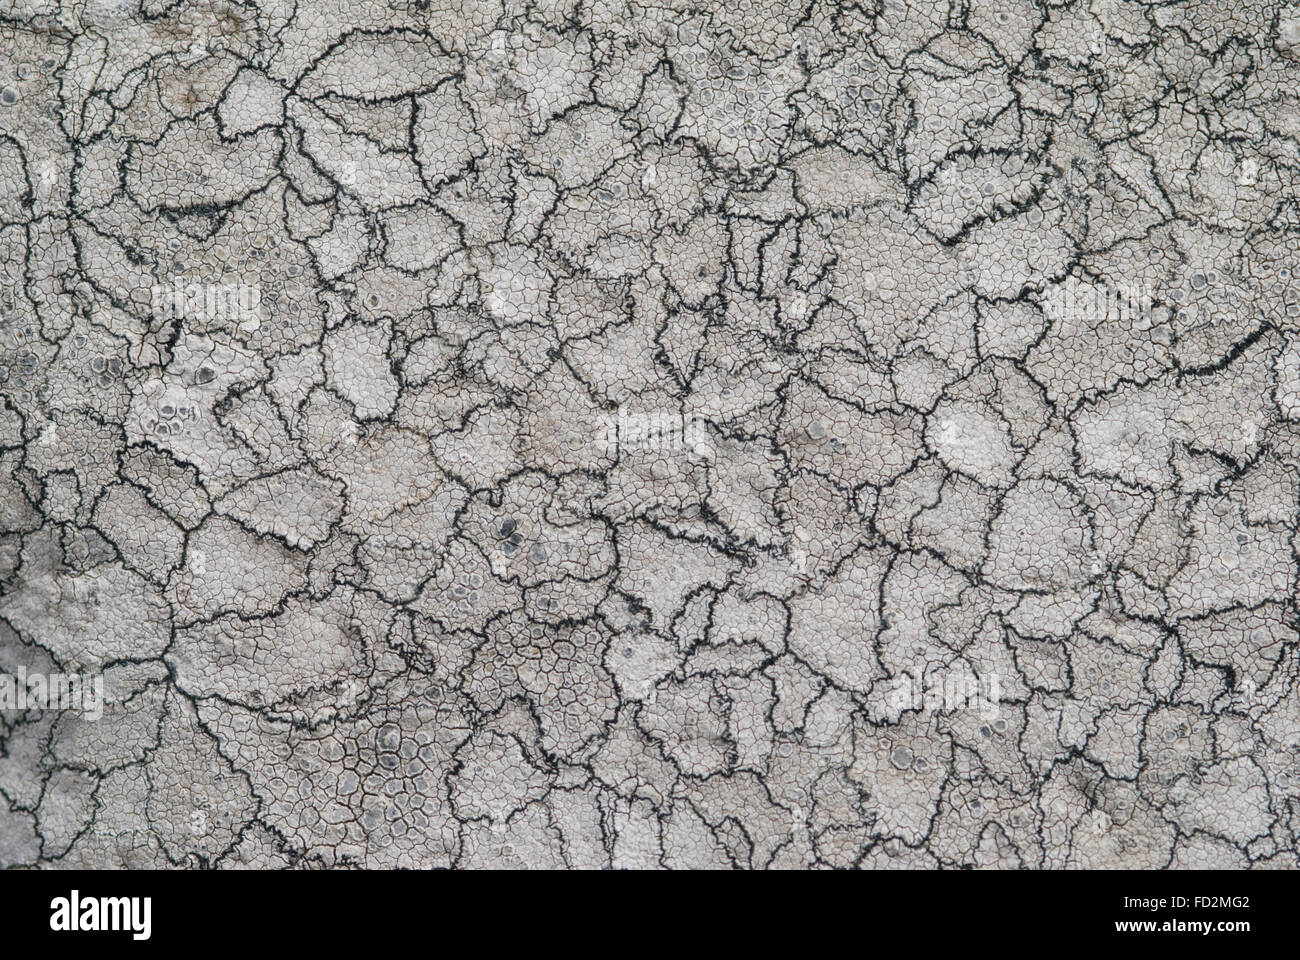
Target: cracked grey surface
688	435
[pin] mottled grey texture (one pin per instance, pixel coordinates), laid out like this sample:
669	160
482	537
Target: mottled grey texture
695	435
